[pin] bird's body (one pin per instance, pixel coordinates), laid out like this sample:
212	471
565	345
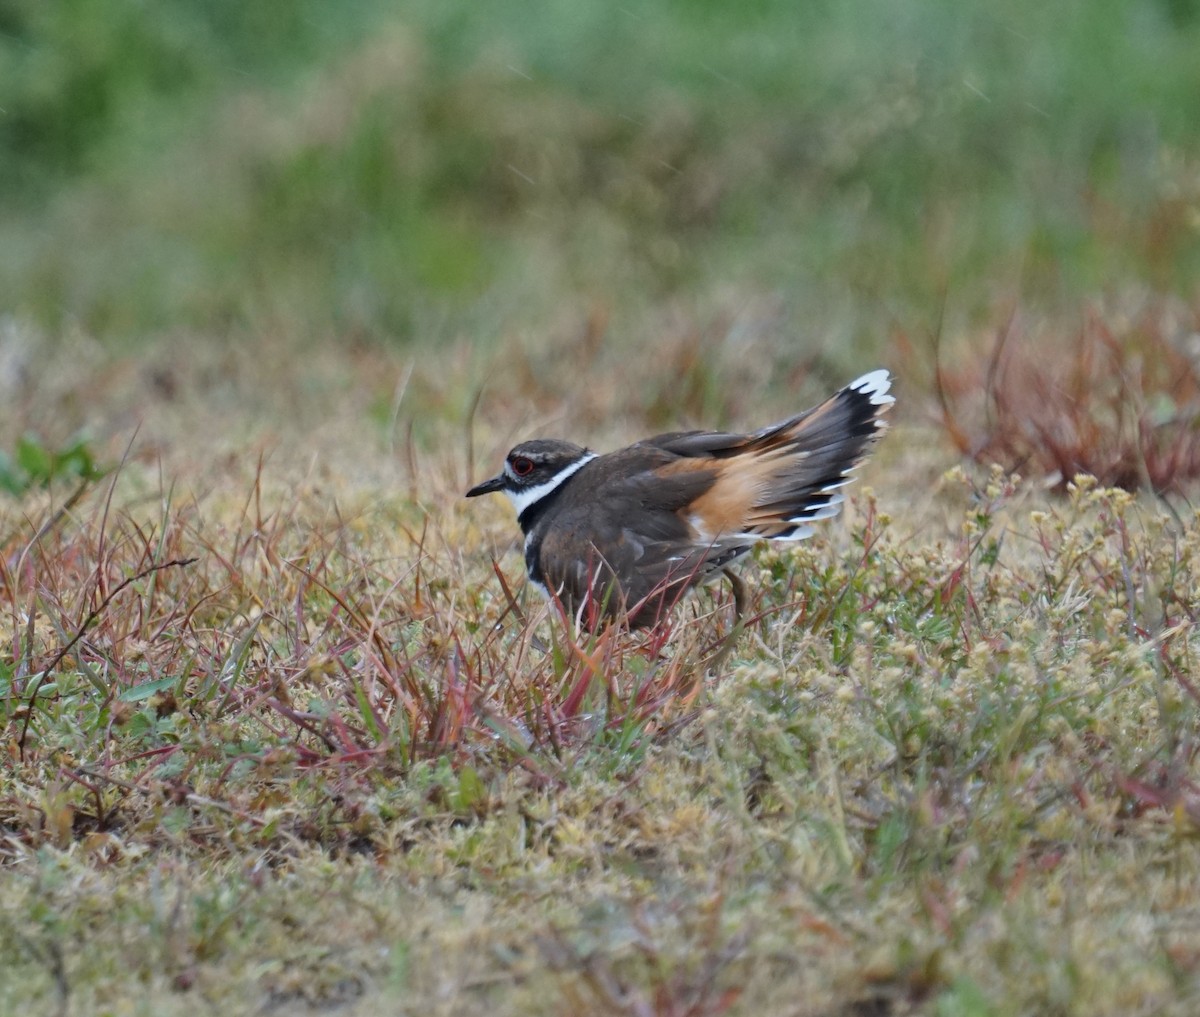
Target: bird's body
628	532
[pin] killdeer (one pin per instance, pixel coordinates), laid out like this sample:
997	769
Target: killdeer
627	533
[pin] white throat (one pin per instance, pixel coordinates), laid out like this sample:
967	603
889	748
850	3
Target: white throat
522	499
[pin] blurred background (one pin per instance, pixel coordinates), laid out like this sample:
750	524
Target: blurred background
622	214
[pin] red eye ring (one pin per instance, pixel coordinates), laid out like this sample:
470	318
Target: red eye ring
522	467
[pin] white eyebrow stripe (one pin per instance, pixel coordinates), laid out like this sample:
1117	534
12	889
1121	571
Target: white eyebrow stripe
521	500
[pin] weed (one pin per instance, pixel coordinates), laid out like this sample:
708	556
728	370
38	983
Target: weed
33	464
1119	401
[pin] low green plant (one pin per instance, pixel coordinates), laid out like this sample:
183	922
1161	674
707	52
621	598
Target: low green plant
33	464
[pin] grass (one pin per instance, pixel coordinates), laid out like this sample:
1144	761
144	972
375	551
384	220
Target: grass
1116	400
327	764
412	175
283	729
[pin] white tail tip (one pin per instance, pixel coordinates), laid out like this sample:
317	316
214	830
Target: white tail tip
876	385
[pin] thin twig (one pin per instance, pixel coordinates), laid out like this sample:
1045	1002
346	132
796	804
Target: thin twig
94	614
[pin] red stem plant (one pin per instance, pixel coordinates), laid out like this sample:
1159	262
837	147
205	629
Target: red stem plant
1119	401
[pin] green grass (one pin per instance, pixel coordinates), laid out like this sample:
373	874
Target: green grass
395	169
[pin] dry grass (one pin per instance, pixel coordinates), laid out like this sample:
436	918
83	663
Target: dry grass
340	760
1118	399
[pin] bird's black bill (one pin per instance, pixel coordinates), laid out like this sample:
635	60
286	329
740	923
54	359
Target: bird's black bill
487	487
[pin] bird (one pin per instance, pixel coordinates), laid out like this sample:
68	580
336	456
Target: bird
625	534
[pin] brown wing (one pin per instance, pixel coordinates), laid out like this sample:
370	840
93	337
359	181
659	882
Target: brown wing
622	571
628	545
772	483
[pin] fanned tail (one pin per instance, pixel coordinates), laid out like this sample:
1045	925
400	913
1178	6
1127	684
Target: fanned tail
790	475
